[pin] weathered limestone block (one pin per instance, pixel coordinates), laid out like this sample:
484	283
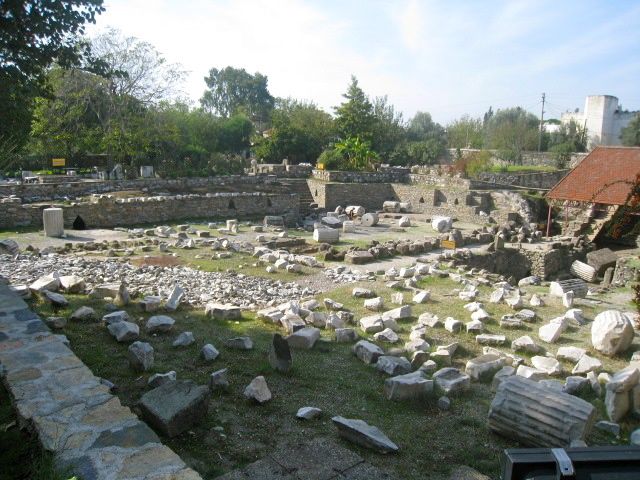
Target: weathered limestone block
354	210
601	259
611	332
536	416
53	222
576	285
405	387
174	407
363	434
326	235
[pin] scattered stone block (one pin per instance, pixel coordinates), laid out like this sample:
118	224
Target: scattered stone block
422	296
140	355
611	332
258	390
575	285
363	434
551	332
326	235
346	335
450	381
372	324
218	380
184	339
452	325
304	338
369	219
150	303
124	331
308	413
374	304
484	367
72	283
393	365
602	259
209	353
158	379
280	357
174	407
367	352
547	364
239	343
583	271
83	314
223	311
175	297
411	386
490	339
159	324
53	222
387	335
357	257
56	300
531	373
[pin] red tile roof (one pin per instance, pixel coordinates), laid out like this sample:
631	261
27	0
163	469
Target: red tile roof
604	176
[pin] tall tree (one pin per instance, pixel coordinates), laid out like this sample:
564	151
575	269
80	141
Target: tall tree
388	127
233	90
299	132
630	135
465	132
512	131
35	34
355	116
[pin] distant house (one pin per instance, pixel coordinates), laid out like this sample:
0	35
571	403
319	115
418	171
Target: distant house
603	118
596	188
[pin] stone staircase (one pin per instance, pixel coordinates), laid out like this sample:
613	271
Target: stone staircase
300	187
590	223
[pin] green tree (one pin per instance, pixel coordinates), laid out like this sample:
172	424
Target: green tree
355	116
512	131
299	132
425	142
388	128
465	132
631	133
36	34
233	90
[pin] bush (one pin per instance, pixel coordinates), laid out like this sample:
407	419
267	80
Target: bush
473	164
562	154
331	159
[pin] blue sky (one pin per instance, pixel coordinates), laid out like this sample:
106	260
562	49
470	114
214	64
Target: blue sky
449	58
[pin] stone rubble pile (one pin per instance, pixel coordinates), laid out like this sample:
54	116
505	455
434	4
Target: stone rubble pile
199	287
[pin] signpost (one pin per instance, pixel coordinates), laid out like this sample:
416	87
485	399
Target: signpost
448	244
58	162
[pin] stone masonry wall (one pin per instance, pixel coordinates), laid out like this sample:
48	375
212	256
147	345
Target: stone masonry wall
395	175
537	180
71	411
46	191
111	212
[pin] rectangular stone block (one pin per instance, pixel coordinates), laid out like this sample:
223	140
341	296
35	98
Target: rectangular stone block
326	235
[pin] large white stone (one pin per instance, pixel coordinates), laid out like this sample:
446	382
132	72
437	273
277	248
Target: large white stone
547	364
441	224
326	235
611	332
53	222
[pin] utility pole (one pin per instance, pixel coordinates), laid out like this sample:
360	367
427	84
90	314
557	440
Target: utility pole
541	124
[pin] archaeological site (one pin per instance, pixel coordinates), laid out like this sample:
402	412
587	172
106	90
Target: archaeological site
294	322
307	240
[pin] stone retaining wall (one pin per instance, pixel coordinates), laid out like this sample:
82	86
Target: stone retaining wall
535	180
110	212
395	175
72	413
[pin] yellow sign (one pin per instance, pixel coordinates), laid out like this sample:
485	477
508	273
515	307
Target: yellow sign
448	244
58	162
320	166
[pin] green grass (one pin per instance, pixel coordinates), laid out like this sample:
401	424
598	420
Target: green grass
21	456
328	377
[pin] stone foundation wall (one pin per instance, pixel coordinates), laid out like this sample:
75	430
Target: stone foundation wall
74	189
395	175
548	264
538	180
111	212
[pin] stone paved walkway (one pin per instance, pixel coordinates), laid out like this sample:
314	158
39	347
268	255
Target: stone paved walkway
72	413
318	459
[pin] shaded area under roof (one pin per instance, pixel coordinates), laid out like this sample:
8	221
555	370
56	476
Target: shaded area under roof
605	176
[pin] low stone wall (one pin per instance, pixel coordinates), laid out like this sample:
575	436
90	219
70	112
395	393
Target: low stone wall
392	175
283	171
110	212
72	413
528	158
546	263
533	180
75	189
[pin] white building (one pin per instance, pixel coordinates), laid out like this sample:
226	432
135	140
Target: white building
603	119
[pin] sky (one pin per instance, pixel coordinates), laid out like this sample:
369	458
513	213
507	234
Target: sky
447	57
